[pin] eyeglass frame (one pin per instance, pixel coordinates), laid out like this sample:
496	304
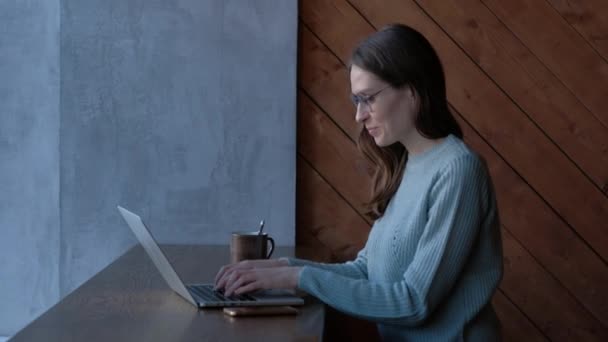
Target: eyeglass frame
366	100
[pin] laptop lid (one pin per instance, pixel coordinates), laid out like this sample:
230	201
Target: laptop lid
156	254
261	298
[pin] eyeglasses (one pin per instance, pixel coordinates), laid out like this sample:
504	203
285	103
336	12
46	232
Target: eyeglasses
366	101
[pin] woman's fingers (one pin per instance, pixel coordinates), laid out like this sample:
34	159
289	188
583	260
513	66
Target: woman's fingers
228	278
271	270
220	274
240	279
225	271
220	279
253	286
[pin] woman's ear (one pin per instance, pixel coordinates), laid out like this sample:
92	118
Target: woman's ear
407	91
414	97
412	92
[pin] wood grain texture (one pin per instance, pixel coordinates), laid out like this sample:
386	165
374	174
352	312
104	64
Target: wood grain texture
515	325
319	71
333	154
326	217
527	81
337	24
589	18
561	48
558	315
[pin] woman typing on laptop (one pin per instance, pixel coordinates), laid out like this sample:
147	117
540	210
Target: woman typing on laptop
433	258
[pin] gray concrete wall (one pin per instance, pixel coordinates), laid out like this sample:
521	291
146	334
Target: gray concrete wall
182	111
29	160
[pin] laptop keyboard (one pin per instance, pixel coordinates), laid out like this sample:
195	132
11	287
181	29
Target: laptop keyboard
207	293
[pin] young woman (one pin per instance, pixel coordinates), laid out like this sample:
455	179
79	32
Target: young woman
433	258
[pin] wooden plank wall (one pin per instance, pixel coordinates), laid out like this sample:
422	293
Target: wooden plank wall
528	82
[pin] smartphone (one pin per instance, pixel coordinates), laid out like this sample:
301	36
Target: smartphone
260	311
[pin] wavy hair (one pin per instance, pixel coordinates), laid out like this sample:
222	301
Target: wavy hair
401	56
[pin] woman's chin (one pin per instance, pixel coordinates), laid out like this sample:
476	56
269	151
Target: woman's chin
380	142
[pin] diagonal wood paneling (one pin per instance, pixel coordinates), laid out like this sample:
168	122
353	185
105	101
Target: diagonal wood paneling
547	245
331	223
535	292
525	79
589	18
560	47
331	151
324	81
516	326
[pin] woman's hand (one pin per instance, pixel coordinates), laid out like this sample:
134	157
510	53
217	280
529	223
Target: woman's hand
245	280
228	271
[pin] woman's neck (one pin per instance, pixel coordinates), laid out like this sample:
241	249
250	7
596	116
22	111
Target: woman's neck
416	144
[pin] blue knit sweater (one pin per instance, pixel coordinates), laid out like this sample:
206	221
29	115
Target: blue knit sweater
432	262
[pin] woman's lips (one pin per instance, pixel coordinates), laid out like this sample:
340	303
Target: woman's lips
373	131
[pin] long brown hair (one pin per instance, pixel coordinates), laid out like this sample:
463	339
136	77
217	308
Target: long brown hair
401	56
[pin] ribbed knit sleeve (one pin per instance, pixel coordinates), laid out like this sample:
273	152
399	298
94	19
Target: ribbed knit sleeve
444	246
356	269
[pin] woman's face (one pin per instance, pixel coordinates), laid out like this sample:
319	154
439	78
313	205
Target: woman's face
387	113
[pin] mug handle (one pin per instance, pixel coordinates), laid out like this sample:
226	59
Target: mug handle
271	247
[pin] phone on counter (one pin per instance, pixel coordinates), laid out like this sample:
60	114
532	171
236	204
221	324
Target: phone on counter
260	311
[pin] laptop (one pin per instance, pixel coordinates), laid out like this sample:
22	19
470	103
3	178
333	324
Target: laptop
201	295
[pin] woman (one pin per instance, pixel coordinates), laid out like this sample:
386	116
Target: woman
433	258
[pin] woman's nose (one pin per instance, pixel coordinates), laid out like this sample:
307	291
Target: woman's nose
361	114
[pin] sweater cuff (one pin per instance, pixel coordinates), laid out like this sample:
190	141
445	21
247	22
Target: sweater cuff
290	261
302	279
298	262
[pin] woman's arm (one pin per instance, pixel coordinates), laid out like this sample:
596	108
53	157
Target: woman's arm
356	269
281	272
455	217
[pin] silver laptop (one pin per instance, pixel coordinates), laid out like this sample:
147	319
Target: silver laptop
201	295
